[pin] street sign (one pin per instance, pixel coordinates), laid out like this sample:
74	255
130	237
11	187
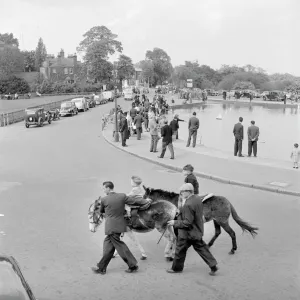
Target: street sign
189	83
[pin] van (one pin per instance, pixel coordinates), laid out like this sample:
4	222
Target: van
128	94
108	95
81	104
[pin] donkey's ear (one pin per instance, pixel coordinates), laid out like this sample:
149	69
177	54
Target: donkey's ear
146	189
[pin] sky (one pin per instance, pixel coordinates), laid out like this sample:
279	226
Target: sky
263	33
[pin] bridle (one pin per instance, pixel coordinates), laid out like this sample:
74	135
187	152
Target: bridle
96	217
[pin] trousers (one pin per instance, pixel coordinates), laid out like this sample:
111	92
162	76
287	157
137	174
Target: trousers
199	246
138	132
153	145
123	137
111	243
192	133
252	145
164	148
238	145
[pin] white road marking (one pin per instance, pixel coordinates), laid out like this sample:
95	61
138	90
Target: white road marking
1	215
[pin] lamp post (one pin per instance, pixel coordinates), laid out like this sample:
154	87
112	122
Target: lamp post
116	117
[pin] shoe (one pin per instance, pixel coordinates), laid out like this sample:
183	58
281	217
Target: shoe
125	146
151	151
159	157
143	257
187	146
241	155
155	151
132	270
255	156
249	155
169	258
98	271
213	271
171	271
171	157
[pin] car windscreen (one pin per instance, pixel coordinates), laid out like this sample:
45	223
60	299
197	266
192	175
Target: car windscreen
30	112
77	101
11	286
66	104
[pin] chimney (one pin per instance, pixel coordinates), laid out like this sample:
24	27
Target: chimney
62	53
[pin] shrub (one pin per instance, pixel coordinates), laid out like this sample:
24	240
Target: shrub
14	85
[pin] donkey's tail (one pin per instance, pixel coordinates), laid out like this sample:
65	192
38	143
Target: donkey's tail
244	225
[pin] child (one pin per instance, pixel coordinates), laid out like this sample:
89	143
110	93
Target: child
191	178
137	194
295	156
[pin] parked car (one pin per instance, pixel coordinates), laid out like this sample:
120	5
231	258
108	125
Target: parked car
274	96
128	94
12	282
80	103
68	108
55	114
98	100
91	102
36	116
108	95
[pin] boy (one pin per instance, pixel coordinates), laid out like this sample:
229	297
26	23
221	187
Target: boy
191	178
295	156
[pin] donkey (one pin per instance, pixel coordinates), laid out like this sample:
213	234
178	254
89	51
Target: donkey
155	217
216	208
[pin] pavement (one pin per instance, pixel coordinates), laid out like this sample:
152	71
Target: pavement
50	175
253	172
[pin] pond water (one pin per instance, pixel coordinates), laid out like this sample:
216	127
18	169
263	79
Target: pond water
279	127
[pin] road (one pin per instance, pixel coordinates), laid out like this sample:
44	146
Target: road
50	175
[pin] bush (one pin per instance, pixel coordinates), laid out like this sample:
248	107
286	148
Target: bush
14	85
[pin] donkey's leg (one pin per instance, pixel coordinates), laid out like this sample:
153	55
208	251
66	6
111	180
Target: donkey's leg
171	243
217	233
134	238
230	231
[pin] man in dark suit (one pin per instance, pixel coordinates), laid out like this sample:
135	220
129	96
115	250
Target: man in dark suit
123	128
253	133
193	129
113	205
174	125
166	133
190	230
238	132
138	120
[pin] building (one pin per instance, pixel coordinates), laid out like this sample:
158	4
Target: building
136	79
61	68
2	44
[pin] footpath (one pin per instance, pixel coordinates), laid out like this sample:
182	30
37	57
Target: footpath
258	173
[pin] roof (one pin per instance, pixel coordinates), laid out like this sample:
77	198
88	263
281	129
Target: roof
63	62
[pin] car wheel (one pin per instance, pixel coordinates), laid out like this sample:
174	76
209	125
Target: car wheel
41	123
27	125
264	98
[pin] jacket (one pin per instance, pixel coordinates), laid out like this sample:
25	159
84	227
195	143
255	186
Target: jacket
194	123
133	112
166	133
253	133
238	131
138	120
191	178
113	205
153	126
174	125
123	125
190	219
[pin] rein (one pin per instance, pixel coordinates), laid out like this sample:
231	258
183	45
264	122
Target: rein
93	213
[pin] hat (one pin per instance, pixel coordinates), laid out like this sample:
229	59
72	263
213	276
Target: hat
176	116
187	187
136	179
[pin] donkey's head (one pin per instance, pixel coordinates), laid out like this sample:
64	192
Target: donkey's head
95	217
148	192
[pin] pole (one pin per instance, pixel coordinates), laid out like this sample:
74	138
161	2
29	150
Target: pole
116	120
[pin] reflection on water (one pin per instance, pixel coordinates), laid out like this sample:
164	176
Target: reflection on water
279	127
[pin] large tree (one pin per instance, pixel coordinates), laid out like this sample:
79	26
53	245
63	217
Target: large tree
40	54
147	70
9	39
29	60
162	66
11	61
125	67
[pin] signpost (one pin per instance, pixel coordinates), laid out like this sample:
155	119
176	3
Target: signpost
189	83
116	117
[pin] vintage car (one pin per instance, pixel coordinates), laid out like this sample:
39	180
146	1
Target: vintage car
128	94
68	108
274	96
91	102
12	282
108	95
81	104
36	116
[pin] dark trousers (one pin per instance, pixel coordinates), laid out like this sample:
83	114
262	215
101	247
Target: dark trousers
199	246
153	145
238	145
164	148
138	132
112	242
252	145
146	124
192	133
123	137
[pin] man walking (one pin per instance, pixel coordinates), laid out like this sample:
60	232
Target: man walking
138	120
174	125
190	230
193	129
113	205
154	134
238	132
166	133
123	128
253	133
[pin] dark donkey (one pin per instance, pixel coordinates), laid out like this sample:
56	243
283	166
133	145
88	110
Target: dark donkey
216	208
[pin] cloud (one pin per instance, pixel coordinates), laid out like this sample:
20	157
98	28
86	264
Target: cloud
132	13
113	22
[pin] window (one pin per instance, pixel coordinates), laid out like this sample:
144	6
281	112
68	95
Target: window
54	70
66	71
71	70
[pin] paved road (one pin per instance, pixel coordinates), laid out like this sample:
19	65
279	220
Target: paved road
50	175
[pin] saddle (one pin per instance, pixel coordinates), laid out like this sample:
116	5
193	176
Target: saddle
206	197
136	208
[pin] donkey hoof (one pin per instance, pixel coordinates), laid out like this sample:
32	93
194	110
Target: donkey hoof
231	251
169	258
143	257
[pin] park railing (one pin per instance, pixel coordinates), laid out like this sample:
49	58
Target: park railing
19	116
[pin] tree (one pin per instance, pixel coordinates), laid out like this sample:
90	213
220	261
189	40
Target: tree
147	70
8	39
40	54
100	34
162	66
29	60
125	68
243	85
11	61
